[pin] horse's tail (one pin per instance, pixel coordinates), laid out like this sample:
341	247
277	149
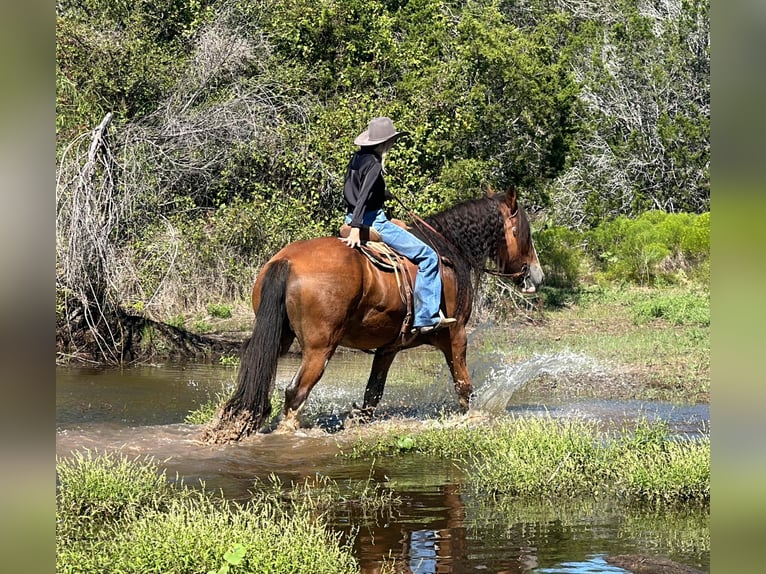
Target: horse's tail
250	405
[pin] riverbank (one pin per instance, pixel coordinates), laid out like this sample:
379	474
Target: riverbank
648	343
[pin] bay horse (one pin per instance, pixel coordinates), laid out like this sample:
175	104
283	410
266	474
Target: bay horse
325	294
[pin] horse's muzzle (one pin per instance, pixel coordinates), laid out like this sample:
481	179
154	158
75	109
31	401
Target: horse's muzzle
533	278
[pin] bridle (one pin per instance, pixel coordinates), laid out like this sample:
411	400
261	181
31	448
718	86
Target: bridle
523	274
519	276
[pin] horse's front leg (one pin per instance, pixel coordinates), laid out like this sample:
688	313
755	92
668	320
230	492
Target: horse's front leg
453	343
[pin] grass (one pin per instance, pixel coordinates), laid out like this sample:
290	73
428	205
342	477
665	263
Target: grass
120	515
655	341
367	497
204	413
544	457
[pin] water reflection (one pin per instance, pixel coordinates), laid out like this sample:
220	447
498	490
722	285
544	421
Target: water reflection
594	564
440	526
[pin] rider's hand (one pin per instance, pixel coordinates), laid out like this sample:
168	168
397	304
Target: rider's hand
353	238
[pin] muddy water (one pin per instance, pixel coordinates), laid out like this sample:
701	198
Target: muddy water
440	525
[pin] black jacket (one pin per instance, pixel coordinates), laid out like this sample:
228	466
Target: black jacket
364	188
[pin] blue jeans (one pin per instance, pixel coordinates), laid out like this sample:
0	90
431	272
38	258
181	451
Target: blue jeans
428	282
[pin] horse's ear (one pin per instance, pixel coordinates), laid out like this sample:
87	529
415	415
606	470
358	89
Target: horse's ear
510	200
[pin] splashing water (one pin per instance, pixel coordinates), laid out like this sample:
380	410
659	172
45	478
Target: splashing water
494	377
500	383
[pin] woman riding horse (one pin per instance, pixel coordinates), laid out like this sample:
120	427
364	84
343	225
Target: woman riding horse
326	295
365	193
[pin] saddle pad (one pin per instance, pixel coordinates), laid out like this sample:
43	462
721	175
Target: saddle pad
381	255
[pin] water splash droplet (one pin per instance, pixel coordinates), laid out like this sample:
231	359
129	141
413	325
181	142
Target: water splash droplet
501	382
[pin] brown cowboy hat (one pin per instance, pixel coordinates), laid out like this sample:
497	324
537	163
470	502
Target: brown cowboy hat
378	131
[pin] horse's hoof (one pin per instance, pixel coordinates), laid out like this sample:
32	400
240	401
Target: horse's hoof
360	415
287	426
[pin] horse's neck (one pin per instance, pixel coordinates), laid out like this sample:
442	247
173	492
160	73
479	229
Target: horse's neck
470	249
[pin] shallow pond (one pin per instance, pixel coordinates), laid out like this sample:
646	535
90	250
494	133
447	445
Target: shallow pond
440	525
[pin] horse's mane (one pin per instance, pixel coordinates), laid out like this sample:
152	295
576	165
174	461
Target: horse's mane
467	235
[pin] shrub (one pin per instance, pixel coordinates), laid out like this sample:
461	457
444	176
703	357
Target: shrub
219	310
653	248
561	254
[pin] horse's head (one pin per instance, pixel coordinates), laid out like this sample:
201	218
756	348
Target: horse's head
518	257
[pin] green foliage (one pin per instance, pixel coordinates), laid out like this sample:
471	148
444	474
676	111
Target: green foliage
219	310
652	248
117	56
644	141
189	532
593	115
205	413
201	325
230	360
406	443
178	321
187	261
233	557
561	255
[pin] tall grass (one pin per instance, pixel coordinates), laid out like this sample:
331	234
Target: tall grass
115	514
545	457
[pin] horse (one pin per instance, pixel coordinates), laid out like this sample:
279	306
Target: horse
326	294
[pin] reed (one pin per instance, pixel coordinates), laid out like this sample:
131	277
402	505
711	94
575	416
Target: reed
546	457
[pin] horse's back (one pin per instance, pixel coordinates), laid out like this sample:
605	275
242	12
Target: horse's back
334	291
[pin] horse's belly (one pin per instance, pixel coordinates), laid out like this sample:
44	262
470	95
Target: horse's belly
375	329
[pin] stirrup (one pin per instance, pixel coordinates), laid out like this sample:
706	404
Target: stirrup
443	323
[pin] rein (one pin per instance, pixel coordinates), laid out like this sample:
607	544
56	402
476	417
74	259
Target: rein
420	221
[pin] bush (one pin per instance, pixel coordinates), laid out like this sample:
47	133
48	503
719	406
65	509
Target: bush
561	256
219	310
655	247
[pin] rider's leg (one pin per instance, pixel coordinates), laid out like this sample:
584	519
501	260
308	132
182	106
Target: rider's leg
428	284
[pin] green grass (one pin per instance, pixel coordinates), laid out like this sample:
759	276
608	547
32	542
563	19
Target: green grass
115	514
96	489
656	339
677	308
545	457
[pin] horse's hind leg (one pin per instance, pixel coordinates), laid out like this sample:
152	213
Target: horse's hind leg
310	371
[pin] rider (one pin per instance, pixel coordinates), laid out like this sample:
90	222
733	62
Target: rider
365	193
